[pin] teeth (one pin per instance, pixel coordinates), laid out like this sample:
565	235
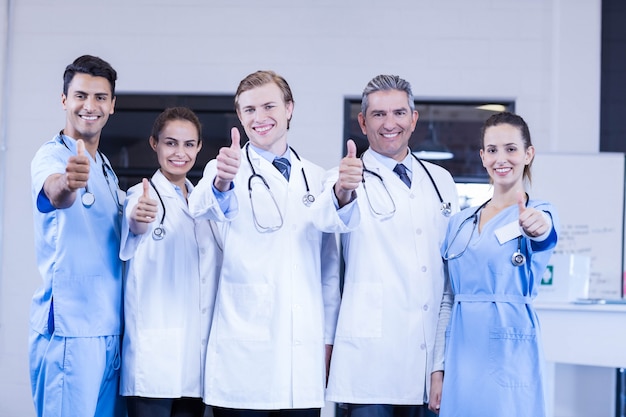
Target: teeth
89	117
178	163
263	129
390	135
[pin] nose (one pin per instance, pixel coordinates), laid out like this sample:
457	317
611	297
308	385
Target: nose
389	122
180	149
89	104
260	115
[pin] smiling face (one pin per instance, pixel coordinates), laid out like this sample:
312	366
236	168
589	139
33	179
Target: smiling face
88	104
265	117
505	155
177	147
389	123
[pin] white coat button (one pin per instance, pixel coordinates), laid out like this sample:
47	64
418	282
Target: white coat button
424	269
202	251
204	280
423	346
204	311
412	196
425	308
418	231
297	342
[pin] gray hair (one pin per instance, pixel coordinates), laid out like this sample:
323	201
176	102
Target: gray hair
385	83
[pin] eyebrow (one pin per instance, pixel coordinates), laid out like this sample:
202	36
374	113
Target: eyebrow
392	110
84	93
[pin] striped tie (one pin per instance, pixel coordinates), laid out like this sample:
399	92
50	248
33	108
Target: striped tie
400	169
283	165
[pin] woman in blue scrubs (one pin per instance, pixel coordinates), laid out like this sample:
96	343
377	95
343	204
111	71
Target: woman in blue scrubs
496	255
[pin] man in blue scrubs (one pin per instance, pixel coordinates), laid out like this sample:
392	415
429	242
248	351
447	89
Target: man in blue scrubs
76	313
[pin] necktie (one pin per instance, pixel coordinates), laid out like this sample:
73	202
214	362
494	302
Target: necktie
400	169
283	165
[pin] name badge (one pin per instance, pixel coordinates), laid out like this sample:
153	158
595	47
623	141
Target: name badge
508	232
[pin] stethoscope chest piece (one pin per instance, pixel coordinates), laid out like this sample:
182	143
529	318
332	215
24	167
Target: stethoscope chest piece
446	208
158	233
88	199
308	199
518	259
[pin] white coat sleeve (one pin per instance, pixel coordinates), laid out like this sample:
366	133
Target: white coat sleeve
327	216
129	241
203	203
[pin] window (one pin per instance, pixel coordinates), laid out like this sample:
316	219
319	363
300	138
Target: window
125	137
447	134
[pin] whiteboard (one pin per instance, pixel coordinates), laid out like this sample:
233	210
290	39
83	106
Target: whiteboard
588	193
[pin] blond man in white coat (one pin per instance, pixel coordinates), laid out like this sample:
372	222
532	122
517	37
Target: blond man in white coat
394	276
278	292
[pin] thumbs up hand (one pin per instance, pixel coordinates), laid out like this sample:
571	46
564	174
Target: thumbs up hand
146	209
77	168
532	221
144	212
350	175
228	161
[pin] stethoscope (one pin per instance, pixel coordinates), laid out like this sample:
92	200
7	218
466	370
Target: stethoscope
159	232
88	198
307	199
445	207
517	259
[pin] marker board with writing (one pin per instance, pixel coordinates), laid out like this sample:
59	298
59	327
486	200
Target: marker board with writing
588	193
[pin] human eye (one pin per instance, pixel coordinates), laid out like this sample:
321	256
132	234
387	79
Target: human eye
170	142
269	106
400	113
377	114
248	110
190	144
512	149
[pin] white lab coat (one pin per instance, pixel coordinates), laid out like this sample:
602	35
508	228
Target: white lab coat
168	298
393	286
278	294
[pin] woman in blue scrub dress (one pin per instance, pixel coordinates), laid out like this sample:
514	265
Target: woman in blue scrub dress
496	255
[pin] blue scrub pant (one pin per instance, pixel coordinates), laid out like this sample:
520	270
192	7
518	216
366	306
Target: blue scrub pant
75	376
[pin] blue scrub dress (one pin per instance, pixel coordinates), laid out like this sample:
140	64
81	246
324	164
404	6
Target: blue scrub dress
493	358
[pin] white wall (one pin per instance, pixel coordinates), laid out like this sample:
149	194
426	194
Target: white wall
544	54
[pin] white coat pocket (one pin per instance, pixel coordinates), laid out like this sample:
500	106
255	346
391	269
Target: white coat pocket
362	312
244	311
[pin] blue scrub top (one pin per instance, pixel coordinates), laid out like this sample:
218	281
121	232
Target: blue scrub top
77	250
